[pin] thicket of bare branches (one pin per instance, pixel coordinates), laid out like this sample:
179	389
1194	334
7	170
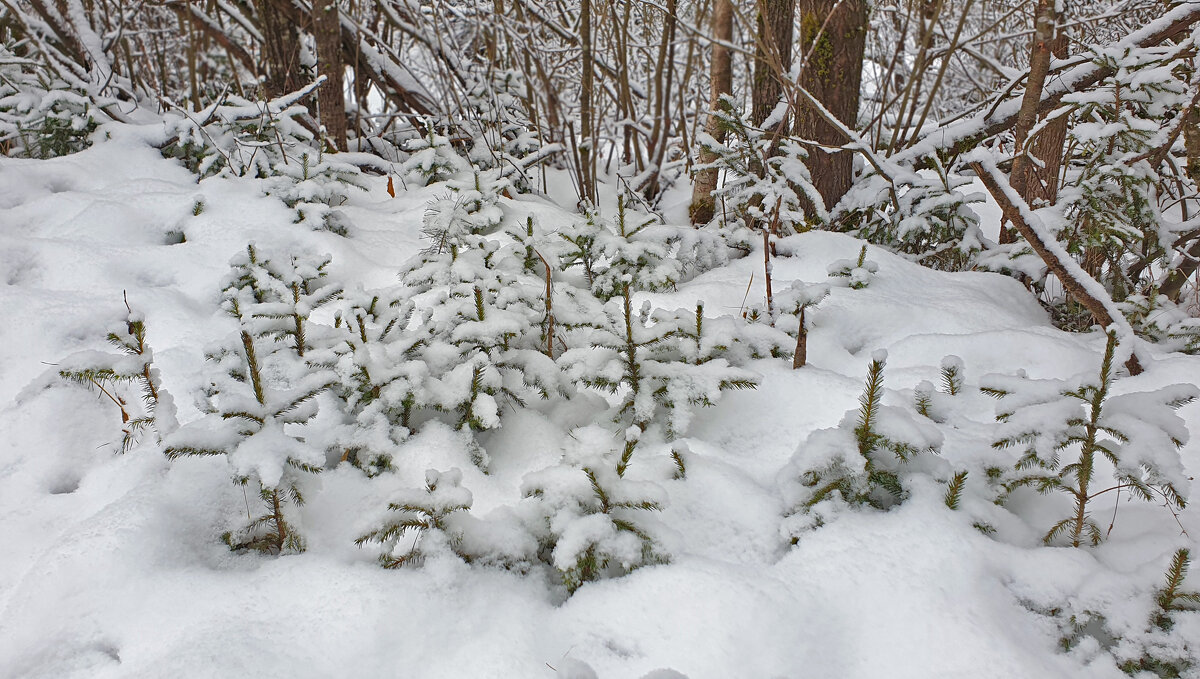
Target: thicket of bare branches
1088	113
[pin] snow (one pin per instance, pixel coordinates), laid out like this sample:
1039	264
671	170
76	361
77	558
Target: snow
112	564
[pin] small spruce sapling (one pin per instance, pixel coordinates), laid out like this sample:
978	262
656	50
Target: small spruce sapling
1160	649
429	513
593	517
381	375
766	179
432	159
859	271
1064	428
861	460
268	392
284	293
108	372
952	375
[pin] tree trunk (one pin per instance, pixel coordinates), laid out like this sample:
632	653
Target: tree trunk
1047	148
703	207
1039	65
587	163
280	49
833	38
772	58
331	98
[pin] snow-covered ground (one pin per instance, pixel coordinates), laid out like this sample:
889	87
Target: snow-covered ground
111	564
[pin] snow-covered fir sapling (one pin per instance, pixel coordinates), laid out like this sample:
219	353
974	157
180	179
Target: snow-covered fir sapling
1065	427
1173	598
267	393
485	323
380	372
927	216
796	300
285	292
859	271
647	362
313	184
432	158
593	517
860	461
952	375
1159	649
41	116
429	513
108	373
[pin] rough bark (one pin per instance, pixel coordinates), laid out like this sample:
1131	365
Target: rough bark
703	207
772	57
1047	148
331	100
832	40
1039	65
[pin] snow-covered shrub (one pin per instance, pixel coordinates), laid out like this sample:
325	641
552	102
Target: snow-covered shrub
41	116
266	394
859	271
285	291
766	180
1112	203
858	462
928	218
1154	646
1158	318
659	371
379	372
592	516
432	159
1064	427
133	366
266	140
429	512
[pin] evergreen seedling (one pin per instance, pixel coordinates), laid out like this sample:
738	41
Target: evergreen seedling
107	373
1137	434
952	375
859	271
595	520
254	422
860	461
424	512
1172	597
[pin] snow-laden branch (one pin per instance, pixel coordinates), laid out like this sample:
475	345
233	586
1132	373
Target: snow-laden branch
1081	286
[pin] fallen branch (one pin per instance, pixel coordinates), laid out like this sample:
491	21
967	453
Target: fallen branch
1079	285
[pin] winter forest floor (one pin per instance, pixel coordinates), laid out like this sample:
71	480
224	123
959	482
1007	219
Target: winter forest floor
111	564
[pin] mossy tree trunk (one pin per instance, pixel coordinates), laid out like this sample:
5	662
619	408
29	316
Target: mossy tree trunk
833	38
